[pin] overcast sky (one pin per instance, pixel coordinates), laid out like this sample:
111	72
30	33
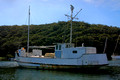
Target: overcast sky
15	12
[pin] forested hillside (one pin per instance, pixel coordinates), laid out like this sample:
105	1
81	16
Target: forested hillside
14	37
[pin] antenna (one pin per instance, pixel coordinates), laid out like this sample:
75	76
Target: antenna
72	8
28	29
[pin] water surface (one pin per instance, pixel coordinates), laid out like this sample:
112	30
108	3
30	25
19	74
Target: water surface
33	74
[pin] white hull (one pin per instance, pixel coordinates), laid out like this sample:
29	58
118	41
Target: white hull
41	66
57	63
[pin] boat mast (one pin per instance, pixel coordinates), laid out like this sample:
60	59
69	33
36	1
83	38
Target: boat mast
28	29
116	46
105	45
72	20
71	23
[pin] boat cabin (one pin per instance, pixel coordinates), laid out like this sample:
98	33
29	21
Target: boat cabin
67	50
62	50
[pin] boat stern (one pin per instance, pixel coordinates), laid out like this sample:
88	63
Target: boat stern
94	59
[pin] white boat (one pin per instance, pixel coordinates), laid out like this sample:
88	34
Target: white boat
115	57
65	56
115	60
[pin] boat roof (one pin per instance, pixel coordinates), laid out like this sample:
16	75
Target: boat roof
48	47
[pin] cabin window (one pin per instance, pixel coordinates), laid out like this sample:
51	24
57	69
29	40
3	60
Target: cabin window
59	47
56	47
67	46
75	51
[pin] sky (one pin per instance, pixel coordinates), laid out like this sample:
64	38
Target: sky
15	12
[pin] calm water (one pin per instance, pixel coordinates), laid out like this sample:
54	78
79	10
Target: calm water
32	74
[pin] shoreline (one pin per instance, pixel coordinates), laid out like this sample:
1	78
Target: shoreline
8	64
